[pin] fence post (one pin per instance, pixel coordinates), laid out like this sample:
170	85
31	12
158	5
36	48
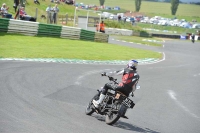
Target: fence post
36	13
66	18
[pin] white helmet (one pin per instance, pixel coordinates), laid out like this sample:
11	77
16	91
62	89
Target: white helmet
132	64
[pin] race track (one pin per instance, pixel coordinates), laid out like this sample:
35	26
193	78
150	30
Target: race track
41	97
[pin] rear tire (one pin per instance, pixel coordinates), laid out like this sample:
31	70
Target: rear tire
89	110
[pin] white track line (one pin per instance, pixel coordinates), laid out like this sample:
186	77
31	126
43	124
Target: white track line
172	94
156	61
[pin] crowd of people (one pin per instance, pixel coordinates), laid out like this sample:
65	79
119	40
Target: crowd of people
52	13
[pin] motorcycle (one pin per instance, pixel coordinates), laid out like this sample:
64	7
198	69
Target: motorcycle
114	105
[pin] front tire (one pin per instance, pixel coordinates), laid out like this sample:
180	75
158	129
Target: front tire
89	110
112	118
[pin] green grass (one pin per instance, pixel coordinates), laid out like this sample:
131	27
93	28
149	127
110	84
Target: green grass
20	46
185	11
178	30
136	39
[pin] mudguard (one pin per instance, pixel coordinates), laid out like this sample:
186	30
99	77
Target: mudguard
122	110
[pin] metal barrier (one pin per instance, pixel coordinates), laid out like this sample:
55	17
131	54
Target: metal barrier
116	31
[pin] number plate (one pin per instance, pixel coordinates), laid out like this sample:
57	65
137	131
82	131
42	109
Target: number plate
128	102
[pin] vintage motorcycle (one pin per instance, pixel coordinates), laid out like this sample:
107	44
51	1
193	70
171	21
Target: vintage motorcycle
114	105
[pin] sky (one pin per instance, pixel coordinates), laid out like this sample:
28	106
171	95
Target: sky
190	0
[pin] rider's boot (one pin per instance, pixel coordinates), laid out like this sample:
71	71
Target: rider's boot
97	102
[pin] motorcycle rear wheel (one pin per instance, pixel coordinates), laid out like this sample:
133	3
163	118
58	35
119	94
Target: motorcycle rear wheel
89	110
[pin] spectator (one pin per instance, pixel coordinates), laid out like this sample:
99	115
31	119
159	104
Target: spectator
4	11
69	2
23	15
97	26
36	2
49	14
15	5
125	19
55	14
57	1
22	3
101	26
119	18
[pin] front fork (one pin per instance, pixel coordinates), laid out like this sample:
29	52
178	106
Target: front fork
122	110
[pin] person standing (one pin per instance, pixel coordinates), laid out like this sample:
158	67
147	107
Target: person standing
55	14
102	27
49	14
16	3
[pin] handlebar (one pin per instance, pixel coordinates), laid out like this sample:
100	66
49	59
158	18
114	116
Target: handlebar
113	79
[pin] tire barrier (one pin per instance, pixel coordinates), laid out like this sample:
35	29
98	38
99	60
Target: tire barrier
23	27
70	32
4	23
49	30
87	35
38	29
166	36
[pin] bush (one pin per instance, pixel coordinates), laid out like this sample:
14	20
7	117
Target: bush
127	25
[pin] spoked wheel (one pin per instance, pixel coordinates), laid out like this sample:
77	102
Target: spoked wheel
89	109
111	118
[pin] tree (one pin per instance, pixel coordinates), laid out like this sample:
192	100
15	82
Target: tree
174	6
101	2
137	5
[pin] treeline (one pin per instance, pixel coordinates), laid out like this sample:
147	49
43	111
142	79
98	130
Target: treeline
196	3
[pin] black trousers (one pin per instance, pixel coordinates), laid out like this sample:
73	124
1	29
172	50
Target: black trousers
123	89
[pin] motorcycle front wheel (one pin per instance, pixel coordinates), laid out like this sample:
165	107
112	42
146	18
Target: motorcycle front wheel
89	110
112	118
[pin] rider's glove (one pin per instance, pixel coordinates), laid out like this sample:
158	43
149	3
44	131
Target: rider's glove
111	78
103	74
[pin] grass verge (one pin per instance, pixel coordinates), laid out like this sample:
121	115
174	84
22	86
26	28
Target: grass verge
141	40
20	46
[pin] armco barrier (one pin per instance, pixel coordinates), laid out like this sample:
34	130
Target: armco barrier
37	29
116	31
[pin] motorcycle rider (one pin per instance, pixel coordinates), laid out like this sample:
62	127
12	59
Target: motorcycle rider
129	78
193	37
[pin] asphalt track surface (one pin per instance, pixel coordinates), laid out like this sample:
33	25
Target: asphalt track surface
38	97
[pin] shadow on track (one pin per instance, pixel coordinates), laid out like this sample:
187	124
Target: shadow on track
126	126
